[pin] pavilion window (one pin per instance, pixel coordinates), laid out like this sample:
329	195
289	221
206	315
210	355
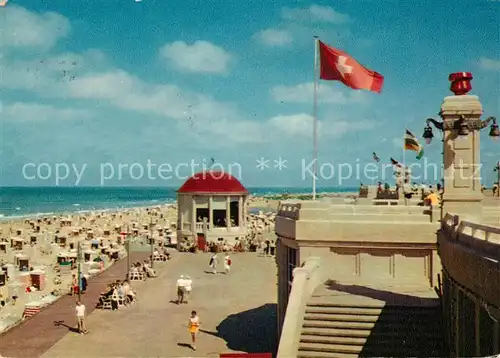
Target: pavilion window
219	218
234	213
201	213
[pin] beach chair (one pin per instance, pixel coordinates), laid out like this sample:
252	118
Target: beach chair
136	276
118	299
106	304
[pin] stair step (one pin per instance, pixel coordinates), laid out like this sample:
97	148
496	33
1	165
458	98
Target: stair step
313	350
387	327
339	317
342	325
351	341
363	333
379	319
333	348
363	311
375	342
336	332
306	354
318	302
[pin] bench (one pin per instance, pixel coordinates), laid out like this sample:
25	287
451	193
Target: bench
389	202
108	302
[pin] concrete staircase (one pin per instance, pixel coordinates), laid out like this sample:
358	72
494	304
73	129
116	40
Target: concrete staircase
371	329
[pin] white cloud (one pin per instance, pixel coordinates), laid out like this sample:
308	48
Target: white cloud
23	111
314	13
110	85
26	29
304	92
302	125
489	64
202	57
197	116
274	37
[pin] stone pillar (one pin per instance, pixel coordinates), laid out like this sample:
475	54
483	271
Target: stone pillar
241	209
210	212
462	185
228	211
193	215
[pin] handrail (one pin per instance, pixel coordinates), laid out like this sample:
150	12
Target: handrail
305	280
488	230
455	227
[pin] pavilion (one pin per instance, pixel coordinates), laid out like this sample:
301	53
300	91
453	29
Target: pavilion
211	208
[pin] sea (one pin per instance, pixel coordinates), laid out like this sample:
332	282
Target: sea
40	201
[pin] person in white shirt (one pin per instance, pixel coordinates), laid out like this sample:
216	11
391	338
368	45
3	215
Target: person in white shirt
213	263
80	317
227	264
181	284
127	291
188	286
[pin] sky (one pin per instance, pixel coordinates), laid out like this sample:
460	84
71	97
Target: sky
145	92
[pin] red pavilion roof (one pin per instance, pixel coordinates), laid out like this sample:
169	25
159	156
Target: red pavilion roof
213	182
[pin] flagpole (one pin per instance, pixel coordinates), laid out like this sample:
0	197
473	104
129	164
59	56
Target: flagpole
315	116
404	165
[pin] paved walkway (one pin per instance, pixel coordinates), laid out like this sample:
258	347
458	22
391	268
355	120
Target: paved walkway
238	314
37	334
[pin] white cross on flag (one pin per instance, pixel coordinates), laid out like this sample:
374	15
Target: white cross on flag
336	65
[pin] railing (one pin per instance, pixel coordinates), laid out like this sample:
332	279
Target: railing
289	210
454	227
380	209
199	226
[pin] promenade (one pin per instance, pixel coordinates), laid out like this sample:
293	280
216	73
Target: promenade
34	336
238	314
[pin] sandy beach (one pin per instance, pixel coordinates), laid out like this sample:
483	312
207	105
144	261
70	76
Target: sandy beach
33	249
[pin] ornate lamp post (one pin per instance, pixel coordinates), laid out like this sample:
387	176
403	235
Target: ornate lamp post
460	125
496	168
152	240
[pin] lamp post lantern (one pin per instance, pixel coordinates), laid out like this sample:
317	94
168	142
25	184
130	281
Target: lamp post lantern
152	241
79	263
460	126
496	168
127	238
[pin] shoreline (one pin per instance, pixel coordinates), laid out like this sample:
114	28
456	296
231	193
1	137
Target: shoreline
254	197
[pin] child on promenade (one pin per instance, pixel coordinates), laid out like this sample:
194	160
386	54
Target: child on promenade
194	327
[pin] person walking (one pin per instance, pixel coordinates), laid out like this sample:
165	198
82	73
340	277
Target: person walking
227	264
188	286
213	263
181	284
194	326
80	317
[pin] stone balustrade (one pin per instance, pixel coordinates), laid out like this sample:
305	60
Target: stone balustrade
289	210
343	212
470	256
364	242
199	226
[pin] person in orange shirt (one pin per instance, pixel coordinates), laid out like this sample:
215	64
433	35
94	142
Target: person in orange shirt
432	199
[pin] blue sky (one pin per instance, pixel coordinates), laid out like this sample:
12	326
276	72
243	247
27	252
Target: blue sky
97	85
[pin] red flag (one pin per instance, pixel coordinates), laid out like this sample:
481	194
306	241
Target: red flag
336	65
